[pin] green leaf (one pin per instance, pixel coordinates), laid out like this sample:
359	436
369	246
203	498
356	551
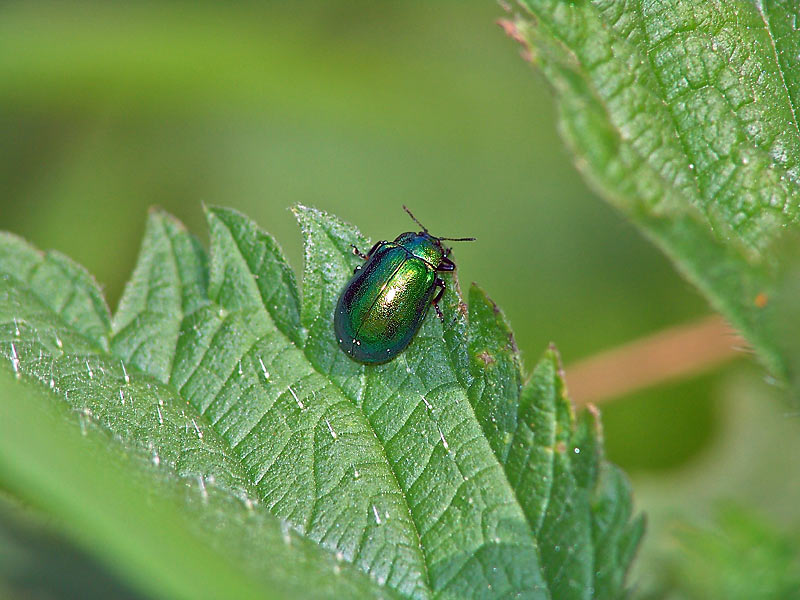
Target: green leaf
59	285
169	283
684	116
577	504
171	538
739	555
439	474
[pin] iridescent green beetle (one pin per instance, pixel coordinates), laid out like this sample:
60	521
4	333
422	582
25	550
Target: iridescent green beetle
383	305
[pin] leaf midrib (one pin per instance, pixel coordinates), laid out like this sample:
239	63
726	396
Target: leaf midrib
640	23
759	4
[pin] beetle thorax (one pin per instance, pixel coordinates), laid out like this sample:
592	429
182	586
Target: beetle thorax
422	245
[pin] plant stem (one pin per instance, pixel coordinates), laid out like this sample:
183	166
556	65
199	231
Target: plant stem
674	353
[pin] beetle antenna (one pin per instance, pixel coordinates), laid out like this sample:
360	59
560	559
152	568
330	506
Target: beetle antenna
410	214
470	239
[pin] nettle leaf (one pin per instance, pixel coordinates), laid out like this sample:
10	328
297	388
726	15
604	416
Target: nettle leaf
684	116
186	461
169	537
441	474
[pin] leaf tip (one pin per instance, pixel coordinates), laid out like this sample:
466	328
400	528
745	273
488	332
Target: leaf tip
225	216
589	420
478	296
212	210
511	27
476	292
553	355
157	215
301	211
219	211
304	215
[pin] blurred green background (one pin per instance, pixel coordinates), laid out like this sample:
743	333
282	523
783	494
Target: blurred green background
357	108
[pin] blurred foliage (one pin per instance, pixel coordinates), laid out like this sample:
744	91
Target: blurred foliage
36	562
735	554
752	461
356	108
739	556
664	413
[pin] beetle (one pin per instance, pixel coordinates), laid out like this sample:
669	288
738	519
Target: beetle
383	305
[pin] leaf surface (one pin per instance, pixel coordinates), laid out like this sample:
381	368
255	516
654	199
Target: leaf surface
684	116
171	537
440	474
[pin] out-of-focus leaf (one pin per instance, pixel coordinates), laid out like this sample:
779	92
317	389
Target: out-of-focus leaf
741	557
35	561
754	447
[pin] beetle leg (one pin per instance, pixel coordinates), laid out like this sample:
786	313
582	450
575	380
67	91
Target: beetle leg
439	313
446	265
440	284
358	252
